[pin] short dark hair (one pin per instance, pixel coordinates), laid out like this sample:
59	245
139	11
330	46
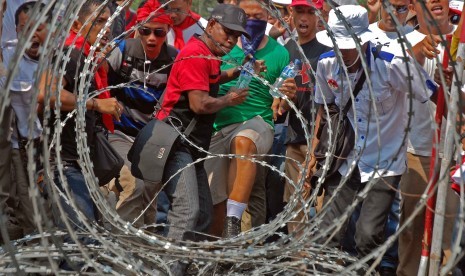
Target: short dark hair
88	8
29	6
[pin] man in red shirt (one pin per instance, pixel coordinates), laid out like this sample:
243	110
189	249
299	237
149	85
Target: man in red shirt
191	94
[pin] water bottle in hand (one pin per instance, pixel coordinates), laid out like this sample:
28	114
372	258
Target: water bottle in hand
245	77
290	71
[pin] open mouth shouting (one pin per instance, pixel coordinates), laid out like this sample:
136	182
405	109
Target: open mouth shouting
437	10
303	27
104	41
151	46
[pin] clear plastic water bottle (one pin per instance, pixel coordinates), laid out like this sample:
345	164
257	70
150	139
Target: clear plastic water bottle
245	77
290	71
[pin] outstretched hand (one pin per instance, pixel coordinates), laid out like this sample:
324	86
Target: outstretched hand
374	6
259	65
109	106
237	96
289	88
428	46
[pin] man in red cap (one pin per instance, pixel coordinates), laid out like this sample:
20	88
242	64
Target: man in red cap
186	23
305	19
138	61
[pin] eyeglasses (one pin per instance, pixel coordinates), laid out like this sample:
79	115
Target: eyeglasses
144	31
400	9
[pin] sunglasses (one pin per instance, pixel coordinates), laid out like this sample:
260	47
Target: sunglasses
144	31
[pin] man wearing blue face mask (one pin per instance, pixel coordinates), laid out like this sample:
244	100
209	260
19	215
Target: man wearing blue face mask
246	129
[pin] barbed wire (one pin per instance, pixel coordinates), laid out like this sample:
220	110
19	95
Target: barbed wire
122	248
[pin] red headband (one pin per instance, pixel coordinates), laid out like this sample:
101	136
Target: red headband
160	16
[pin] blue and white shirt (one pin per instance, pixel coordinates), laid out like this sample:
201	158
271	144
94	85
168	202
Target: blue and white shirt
380	141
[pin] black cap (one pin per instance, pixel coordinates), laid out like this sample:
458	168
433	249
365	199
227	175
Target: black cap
231	17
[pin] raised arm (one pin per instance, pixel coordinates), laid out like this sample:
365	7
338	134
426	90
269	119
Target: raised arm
229	75
233	73
373	7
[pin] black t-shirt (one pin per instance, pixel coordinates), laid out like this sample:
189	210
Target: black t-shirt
305	87
68	136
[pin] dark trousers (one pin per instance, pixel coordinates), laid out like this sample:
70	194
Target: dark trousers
369	229
190	199
5	161
189	196
390	258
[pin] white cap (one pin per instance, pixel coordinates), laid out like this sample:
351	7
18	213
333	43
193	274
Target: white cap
356	17
282	2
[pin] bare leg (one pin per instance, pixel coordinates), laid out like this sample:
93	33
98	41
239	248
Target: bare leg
242	172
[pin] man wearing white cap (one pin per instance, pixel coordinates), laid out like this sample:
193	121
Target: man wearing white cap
386	34
305	18
378	115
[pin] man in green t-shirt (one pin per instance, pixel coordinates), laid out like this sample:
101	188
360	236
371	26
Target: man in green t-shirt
246	129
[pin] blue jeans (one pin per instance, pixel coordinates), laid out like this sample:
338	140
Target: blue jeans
80	193
189	195
391	257
163	206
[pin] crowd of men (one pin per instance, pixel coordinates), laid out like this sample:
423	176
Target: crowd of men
176	64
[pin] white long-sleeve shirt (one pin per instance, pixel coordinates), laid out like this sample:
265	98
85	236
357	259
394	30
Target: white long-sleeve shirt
380	142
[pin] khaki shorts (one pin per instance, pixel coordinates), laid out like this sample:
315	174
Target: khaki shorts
256	129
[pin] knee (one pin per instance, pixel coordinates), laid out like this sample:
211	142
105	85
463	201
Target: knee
138	189
367	238
243	145
127	180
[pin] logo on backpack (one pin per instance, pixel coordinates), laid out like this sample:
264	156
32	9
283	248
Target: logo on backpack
161	152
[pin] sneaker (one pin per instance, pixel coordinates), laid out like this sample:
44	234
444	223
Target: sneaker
232	227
